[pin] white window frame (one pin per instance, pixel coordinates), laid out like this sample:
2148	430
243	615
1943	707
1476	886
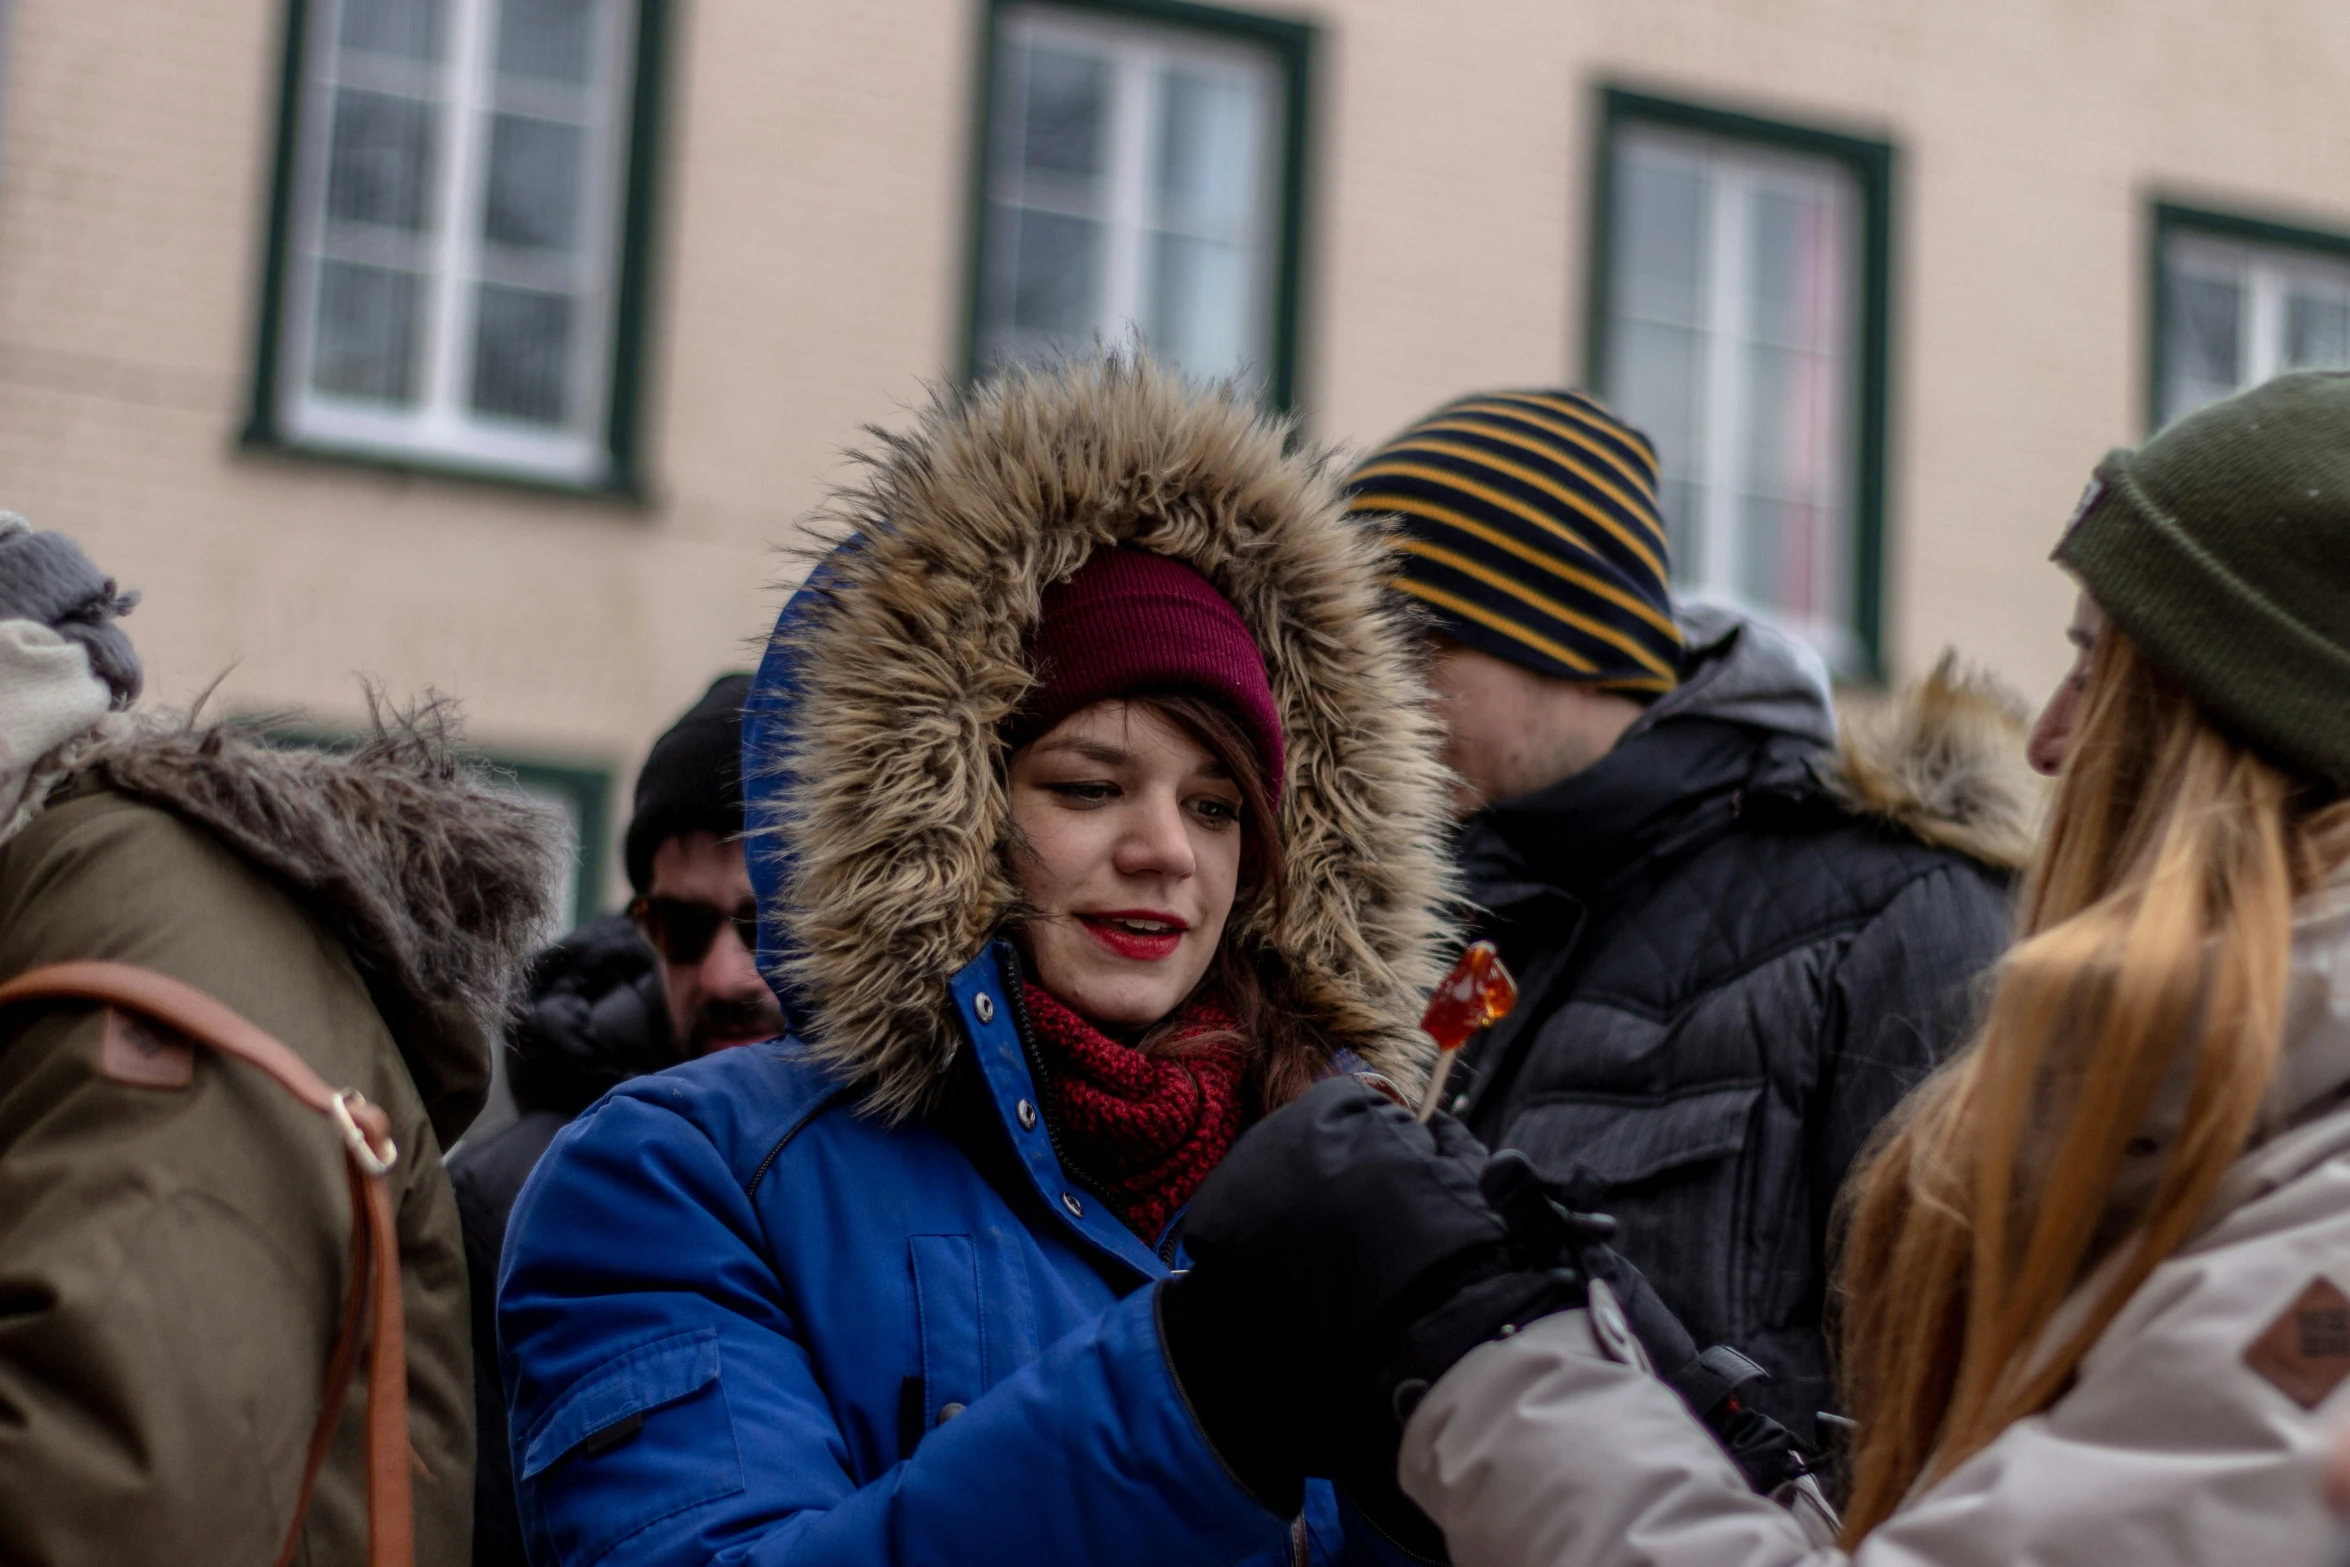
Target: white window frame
2266	272
1138	54
440	427
1735	170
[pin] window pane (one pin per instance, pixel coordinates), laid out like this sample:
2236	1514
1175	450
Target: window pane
379	160
411	28
2202	340
1782	544
1792	280
1052	277
1061	128
547	38
533	196
522	354
1653	373
365	342
1208	160
1201	322
1786	524
1659	236
2317	331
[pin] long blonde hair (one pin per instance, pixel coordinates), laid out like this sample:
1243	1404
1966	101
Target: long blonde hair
2156	929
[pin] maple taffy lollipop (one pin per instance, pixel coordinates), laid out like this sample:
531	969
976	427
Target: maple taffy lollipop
1478	993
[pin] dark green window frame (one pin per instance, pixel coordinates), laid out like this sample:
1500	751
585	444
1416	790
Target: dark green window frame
624	478
1871	164
588	792
1291	43
2173	218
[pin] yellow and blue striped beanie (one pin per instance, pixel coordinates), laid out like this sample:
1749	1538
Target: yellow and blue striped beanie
1530	530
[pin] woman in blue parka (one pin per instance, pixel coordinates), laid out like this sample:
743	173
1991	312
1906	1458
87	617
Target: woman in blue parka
1094	801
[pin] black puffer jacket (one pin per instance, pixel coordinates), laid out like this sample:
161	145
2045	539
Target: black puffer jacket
597	1016
1738	948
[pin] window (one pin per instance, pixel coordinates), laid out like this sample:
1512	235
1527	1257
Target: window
452	278
1739	308
1141	172
582	795
2237	302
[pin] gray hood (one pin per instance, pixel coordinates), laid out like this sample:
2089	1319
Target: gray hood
1742	671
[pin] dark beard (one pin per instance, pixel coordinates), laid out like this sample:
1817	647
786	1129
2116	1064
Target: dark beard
732	1018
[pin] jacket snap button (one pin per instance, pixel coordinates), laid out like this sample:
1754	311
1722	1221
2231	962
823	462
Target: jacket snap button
1027	1114
1076	1208
985	1007
947	1412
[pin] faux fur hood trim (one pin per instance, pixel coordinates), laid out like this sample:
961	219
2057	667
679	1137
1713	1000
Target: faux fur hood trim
884	798
435	880
1943	760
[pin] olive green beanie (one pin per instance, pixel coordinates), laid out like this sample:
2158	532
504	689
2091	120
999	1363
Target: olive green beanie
2222	548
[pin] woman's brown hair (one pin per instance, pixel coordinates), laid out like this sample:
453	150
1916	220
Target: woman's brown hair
2155	935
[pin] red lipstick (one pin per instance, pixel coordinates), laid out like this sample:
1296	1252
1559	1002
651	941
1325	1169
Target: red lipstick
1140	935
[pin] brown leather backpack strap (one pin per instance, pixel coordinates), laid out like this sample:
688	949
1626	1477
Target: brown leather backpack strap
375	1243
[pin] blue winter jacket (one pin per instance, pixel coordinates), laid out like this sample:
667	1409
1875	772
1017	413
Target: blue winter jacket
742	1322
742	1316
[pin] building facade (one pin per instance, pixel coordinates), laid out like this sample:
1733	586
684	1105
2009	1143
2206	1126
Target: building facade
502	347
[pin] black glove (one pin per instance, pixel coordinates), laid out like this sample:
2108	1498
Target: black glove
1329	1226
1341	1248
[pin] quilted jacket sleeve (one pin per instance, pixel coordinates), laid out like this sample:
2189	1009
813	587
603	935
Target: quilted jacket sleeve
666	1409
1904	998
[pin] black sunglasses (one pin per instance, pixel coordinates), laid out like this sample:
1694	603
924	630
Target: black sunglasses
681	930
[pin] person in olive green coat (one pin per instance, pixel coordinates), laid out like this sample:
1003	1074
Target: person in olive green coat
173	1259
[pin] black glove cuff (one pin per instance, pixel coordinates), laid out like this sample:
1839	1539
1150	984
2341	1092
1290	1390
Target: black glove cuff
1493	1308
1707	1382
1224	1385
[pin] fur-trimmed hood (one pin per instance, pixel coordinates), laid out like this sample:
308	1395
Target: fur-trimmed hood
1943	760
437	882
876	797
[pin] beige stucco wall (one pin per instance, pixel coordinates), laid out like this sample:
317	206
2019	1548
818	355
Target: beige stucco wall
811	276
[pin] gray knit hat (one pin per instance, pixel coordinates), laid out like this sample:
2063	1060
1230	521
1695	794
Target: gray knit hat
45	577
2222	548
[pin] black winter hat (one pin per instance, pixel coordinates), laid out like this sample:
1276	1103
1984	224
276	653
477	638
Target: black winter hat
2222	548
693	781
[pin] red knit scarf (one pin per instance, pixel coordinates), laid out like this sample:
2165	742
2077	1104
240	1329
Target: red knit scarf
1145	1129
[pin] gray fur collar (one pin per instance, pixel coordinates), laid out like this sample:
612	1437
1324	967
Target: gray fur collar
886	801
1943	760
435	881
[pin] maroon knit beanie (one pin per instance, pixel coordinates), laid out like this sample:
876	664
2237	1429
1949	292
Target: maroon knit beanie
1131	623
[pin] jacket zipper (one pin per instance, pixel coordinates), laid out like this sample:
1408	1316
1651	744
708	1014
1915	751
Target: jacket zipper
1015	993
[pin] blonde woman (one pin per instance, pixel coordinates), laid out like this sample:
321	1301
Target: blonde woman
2095	1299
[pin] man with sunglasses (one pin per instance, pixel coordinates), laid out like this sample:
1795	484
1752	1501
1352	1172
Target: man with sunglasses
621	996
693	889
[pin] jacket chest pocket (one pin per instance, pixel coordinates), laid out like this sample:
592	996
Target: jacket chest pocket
950	1331
1671	1167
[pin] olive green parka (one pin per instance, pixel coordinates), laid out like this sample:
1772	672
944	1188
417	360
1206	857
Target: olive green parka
173	1260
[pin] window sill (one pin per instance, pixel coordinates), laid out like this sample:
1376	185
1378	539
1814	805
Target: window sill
625	490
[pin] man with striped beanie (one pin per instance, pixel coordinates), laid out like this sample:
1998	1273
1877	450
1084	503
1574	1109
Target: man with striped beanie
1531	537
1734	957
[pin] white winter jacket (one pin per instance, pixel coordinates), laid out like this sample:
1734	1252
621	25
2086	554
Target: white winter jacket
2193	1435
